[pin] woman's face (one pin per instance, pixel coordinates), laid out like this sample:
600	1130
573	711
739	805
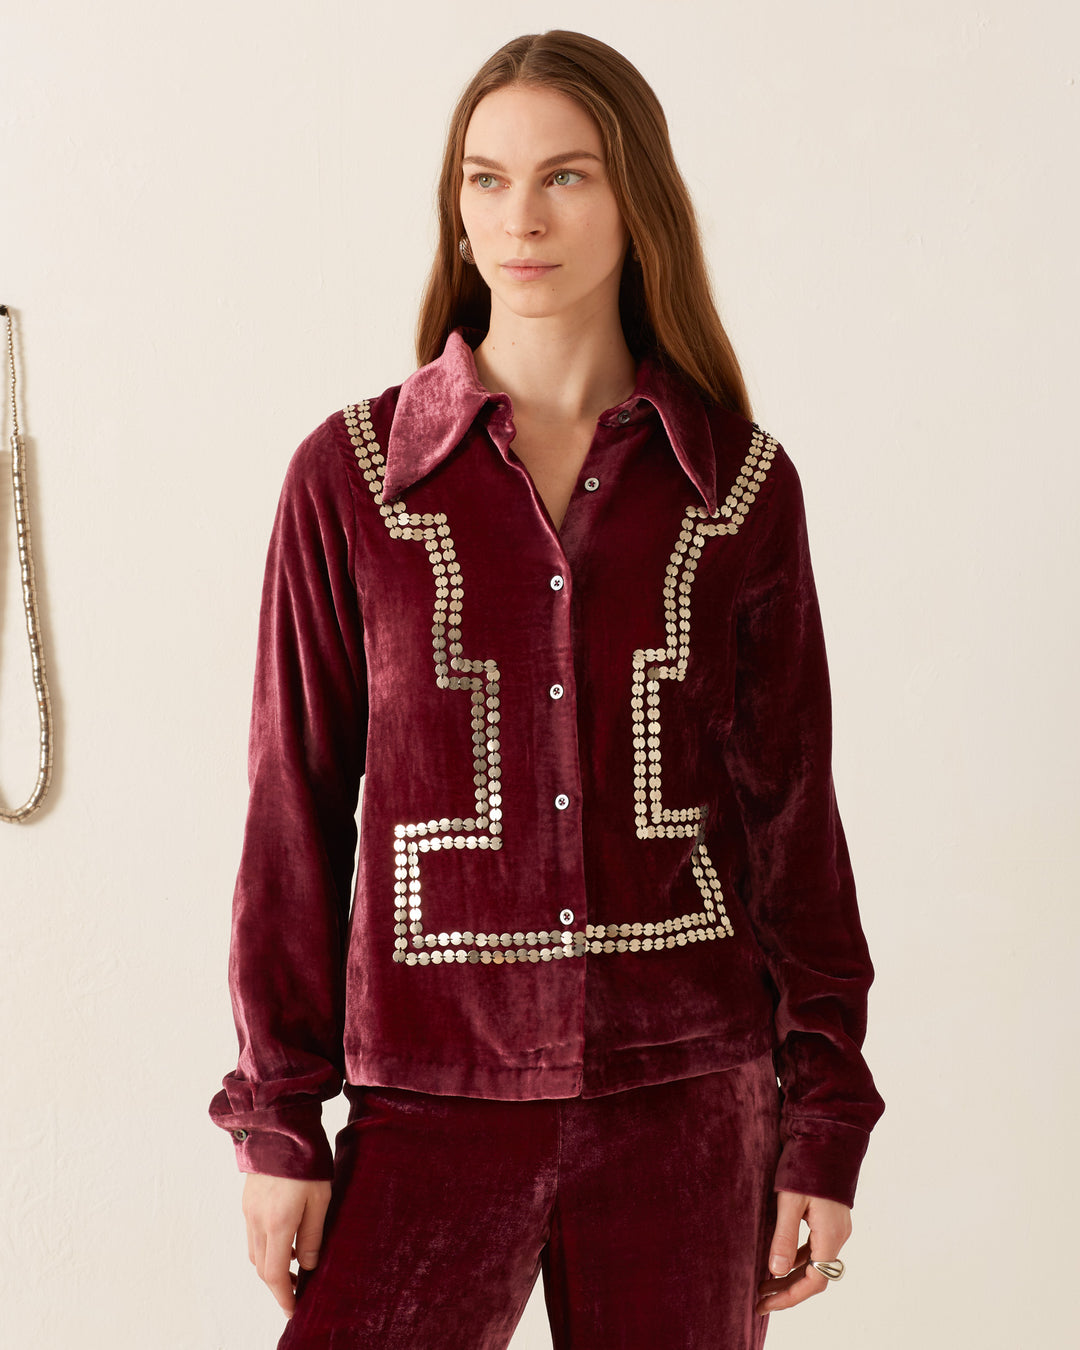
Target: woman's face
535	190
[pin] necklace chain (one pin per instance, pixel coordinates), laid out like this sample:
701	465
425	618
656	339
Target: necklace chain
29	597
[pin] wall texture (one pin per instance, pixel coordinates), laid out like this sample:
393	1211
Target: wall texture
215	223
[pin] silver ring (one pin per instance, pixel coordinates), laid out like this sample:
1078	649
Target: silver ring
832	1270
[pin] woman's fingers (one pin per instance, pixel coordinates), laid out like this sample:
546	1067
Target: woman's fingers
284	1218
276	1272
796	1286
309	1234
790	1209
830	1227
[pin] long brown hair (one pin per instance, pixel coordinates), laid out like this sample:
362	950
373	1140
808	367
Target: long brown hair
665	300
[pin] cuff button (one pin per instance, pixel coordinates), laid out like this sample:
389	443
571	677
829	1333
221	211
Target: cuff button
240	1135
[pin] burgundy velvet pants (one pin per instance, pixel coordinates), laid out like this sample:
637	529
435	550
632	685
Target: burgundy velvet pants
648	1212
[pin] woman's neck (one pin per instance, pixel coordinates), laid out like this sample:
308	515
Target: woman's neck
556	372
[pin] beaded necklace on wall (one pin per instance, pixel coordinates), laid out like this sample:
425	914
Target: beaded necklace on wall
29	598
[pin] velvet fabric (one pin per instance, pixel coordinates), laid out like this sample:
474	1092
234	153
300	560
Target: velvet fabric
647	1211
599	845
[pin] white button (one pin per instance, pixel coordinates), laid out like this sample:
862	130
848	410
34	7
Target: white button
556	691
556	583
624	417
562	801
591	484
566	916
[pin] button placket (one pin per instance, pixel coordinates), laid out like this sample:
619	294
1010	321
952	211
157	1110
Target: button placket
556	692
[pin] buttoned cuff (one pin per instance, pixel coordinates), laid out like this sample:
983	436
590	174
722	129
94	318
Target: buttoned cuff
821	1158
287	1142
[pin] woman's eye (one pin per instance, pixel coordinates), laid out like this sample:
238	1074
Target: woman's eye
565	177
484	180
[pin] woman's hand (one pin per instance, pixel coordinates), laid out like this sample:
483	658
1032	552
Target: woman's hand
284	1220
793	1278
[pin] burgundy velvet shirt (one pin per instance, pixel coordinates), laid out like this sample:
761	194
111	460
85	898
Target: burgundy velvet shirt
599	846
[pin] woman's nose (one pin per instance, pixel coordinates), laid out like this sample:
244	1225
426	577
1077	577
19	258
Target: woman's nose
524	216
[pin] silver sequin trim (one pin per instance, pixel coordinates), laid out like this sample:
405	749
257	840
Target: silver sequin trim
653	665
455	671
481	678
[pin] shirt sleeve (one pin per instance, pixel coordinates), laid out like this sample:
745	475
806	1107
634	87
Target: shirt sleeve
292	895
800	893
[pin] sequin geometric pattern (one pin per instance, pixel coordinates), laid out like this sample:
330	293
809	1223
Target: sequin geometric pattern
453	671
480	679
653	665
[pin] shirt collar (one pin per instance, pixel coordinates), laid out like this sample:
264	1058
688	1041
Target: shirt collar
440	401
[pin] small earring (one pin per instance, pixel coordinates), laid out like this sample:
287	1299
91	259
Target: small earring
634	253
465	249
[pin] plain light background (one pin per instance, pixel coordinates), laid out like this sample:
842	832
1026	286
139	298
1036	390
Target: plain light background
215	222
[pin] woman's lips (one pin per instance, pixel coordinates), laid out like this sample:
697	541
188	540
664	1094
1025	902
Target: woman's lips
528	271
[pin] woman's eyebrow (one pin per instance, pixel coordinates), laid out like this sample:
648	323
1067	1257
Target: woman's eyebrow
551	163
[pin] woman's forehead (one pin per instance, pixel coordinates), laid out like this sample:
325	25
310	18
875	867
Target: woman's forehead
531	124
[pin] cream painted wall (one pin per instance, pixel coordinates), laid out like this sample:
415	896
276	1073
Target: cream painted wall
215	223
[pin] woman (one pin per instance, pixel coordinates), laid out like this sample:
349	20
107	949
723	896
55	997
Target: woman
552	594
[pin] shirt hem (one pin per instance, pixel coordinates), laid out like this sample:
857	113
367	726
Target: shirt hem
647	1065
615	1071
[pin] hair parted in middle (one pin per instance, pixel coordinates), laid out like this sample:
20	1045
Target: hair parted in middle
665	299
